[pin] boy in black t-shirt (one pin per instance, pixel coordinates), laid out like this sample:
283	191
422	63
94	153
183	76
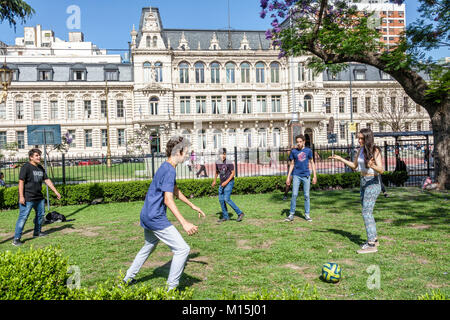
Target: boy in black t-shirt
225	169
31	176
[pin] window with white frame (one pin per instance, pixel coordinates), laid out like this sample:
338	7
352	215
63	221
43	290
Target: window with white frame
53	110
260	72
247	104
201	139
158	72
104	138
215	72
200	104
231	104
3	139
147	71
215	104
120	137
70	109
88	138
36	110
154	106
248	138
20	139
232	138
276	139
262	138
217	139
328	104
199	72
72	135
276	103
87	109
307	103
261	104
275	72
103	107
120	109
230	72
245	73
341	104
184	72
185	105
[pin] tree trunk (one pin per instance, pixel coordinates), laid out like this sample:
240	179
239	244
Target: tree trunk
441	133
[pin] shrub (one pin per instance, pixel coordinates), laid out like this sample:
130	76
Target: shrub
33	275
293	294
136	190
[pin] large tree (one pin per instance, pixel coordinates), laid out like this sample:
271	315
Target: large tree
12	10
336	33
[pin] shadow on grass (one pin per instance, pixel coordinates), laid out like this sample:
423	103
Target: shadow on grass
78	210
355	238
49	231
163	272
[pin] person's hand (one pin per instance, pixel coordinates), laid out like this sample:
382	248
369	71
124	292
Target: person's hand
335	157
22	200
314	181
200	212
58	195
213	184
190	228
371	163
288	181
224	184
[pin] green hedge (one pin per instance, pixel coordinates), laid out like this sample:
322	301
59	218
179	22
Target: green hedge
136	190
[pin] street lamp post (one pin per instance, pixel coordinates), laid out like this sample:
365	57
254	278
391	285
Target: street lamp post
108	144
5	80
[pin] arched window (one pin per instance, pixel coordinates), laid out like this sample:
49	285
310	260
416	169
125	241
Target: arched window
262	138
217	139
275	72
245	72
201	138
199	72
155	41
215	72
232	138
230	70
154	106
184	72
248	138
307	102
158	72
260	72
147	71
276	139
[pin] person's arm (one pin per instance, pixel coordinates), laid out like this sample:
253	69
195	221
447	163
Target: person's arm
215	178
21	188
170	203
313	166
49	183
353	165
177	192
224	184
291	168
377	163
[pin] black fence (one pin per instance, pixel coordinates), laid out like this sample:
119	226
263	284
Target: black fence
416	154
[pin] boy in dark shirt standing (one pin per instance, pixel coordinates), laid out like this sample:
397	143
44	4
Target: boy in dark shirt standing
154	220
31	176
225	169
300	158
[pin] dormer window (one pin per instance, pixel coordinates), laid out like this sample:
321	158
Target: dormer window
360	75
78	72
45	72
111	73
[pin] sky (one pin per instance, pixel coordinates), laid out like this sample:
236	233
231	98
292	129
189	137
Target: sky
107	23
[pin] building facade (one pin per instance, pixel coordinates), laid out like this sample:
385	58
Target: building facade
219	88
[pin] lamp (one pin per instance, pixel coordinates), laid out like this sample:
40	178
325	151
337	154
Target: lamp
6	75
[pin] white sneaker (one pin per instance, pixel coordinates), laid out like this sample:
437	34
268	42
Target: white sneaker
307	218
289	219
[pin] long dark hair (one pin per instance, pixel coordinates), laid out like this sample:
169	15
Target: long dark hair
369	147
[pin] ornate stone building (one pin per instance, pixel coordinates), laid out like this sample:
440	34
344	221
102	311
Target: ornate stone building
219	88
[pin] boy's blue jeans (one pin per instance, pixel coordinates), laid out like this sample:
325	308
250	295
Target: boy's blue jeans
295	188
224	198
24	212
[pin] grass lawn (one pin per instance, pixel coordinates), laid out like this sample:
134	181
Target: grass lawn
263	251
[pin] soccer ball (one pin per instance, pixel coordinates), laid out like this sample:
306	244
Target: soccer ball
331	272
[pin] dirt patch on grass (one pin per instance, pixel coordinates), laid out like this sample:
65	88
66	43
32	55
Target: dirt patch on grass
420	226
267	244
388	220
295	267
242	244
256	222
300	229
87	232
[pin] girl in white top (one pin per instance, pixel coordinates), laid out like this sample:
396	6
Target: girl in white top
369	163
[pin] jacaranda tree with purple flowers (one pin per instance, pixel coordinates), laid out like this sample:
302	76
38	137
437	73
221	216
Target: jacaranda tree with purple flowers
335	33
